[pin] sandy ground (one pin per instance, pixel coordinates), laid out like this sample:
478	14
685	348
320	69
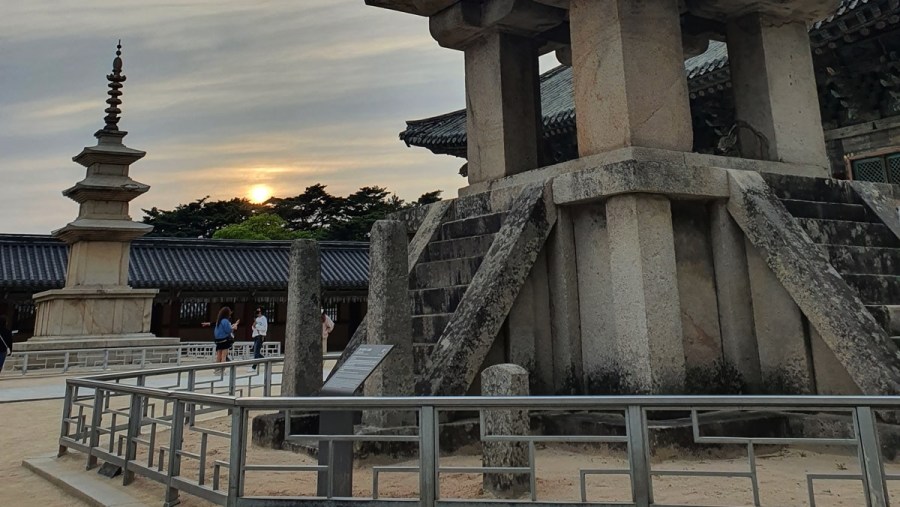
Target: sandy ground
31	428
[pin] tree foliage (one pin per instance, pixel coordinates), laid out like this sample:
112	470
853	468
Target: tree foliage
263	226
315	213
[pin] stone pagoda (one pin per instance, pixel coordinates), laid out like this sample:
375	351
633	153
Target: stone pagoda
97	308
641	266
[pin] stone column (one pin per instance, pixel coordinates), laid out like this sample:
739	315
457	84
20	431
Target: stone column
302	374
629	80
774	89
503	104
388	321
568	370
784	361
505	380
645	303
733	294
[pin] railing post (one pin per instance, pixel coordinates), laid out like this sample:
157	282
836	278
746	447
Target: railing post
267	379
174	468
873	474
428	452
236	455
639	456
143	357
25	363
191	384
96	420
66	362
66	415
105	359
134	428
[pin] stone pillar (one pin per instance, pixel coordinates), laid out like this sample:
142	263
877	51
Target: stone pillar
597	326
628	66
505	380
302	374
568	370
645	303
530	331
774	89
388	321
784	360
733	294
503	104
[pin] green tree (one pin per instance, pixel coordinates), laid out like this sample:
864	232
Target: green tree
360	210
312	210
198	219
429	197
265	226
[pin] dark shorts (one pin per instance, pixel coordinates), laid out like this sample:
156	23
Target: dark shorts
224	344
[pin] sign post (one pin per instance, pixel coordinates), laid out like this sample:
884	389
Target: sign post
339	455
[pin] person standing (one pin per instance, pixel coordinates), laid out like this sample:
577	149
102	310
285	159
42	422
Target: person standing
223	335
6	339
327	328
260	327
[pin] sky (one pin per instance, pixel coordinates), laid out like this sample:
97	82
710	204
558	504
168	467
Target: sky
222	95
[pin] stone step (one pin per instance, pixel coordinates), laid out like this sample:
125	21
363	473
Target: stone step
876	289
888	316
474	226
827	210
428	328
841	232
811	189
474	246
440	300
438	274
472	206
864	260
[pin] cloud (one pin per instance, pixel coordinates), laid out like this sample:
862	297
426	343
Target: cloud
221	94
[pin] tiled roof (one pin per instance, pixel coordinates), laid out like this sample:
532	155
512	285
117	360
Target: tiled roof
447	133
35	263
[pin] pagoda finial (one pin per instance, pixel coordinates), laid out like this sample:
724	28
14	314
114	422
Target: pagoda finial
115	84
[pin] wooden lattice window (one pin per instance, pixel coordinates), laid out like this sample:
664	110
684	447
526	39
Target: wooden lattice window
192	313
332	311
879	167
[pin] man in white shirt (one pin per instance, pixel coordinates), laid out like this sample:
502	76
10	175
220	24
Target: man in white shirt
260	326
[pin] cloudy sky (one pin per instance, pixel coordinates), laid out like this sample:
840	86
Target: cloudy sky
223	95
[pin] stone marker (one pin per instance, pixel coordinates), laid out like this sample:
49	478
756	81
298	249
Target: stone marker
505	380
388	320
303	333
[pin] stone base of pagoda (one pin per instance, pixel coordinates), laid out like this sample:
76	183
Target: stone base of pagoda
93	317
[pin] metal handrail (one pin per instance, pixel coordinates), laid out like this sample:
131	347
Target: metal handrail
86	431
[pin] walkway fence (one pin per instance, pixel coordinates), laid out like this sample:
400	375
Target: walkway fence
192	436
64	361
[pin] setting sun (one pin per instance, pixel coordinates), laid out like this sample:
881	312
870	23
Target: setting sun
260	193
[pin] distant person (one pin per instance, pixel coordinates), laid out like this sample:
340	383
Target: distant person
223	334
260	327
6	340
327	328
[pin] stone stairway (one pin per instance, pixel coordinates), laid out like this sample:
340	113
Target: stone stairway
439	281
859	246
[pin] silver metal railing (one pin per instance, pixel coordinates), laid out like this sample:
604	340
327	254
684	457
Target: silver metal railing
154	431
64	361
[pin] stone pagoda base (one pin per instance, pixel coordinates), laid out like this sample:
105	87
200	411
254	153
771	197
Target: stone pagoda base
91	318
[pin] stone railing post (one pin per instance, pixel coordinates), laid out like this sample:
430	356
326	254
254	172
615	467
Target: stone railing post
505	380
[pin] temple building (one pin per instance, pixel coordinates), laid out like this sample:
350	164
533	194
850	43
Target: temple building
856	57
195	277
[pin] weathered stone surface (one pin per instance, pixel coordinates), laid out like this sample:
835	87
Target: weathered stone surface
505	380
880	199
780	336
487	302
503	101
774	90
568	370
595	306
628	67
696	285
633	176
739	346
530	334
831	376
303	326
846	328
388	321
645	304
427	230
